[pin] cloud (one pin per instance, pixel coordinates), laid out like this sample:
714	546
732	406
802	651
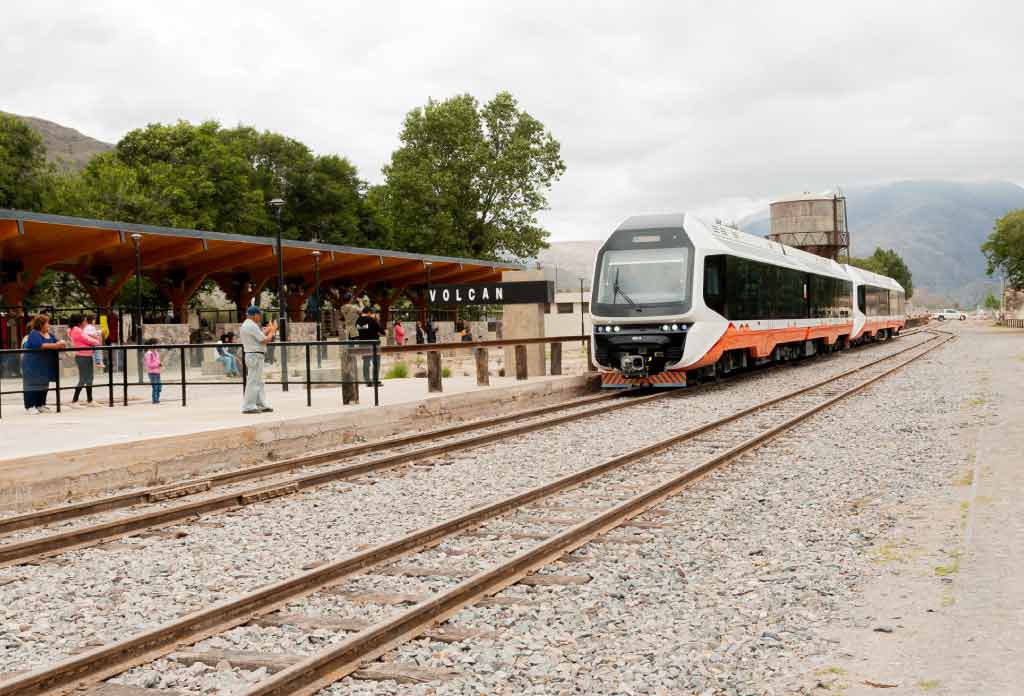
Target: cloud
658	106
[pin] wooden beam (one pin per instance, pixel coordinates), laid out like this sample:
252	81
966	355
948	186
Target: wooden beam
72	250
224	260
383	273
9	229
181	250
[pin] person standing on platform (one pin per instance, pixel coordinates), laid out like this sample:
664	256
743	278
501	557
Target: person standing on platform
39	367
95	332
350	312
370	330
399	334
431	332
153	368
420	336
254	344
80	338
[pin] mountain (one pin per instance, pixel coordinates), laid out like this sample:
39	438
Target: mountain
936	226
64	145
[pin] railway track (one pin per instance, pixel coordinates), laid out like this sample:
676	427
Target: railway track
159	506
603	497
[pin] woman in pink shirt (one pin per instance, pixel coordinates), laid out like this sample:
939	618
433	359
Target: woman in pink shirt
399	334
80	338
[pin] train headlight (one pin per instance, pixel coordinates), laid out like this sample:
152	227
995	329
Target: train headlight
664	327
675	327
616	329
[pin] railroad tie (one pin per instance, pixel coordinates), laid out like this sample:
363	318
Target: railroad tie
251	661
309	622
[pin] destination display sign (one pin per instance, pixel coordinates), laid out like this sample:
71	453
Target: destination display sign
526	292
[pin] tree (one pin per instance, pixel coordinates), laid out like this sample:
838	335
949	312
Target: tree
24	172
469	181
1004	248
207	177
992	302
888	263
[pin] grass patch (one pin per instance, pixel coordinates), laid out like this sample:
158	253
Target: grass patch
928	684
967	479
397	371
951	569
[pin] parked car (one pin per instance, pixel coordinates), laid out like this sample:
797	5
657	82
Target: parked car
944	314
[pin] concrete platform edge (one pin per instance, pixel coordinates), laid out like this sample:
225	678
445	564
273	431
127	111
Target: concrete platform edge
50	478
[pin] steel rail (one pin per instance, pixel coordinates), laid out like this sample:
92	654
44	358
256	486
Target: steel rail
62	542
87	668
338	661
58	513
181	488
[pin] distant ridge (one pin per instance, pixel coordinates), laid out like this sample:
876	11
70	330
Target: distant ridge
65	146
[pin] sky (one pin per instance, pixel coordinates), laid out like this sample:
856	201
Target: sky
659	106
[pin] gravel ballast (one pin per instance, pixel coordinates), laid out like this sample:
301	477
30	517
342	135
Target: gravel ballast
98	595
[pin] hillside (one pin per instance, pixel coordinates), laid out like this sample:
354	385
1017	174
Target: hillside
937	226
64	145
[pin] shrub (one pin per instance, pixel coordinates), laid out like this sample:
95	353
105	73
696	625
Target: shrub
446	372
397	371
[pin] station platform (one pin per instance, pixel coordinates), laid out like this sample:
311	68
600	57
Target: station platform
53	457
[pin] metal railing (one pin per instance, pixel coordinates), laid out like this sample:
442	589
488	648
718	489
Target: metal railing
314	352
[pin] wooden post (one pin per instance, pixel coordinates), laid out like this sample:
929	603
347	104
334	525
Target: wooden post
349	374
433	371
521	367
556	358
483	375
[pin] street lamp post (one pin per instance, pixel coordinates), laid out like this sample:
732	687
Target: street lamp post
277	204
137	329
316	300
583	328
136	239
428	264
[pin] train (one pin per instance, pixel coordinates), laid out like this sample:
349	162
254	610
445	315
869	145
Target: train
675	296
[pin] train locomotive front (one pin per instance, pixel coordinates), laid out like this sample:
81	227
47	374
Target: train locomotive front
641	300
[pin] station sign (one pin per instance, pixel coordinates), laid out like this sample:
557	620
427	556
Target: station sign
525	292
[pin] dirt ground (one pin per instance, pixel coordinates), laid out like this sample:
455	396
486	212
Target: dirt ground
947	615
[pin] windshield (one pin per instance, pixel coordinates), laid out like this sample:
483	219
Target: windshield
643	276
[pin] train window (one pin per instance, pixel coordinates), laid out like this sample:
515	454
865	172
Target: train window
714	277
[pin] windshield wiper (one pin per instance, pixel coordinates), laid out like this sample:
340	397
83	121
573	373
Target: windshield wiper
616	290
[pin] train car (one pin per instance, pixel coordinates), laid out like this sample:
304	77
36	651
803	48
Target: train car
879	305
673	294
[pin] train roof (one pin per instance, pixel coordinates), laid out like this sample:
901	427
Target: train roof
862	275
751	246
658	221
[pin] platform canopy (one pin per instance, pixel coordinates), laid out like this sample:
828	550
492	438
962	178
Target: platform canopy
101	255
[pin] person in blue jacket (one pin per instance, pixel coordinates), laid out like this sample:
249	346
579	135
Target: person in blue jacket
39	367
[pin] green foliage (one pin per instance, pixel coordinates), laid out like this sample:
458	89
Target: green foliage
397	371
1004	248
446	372
991	302
211	178
888	263
24	172
470	180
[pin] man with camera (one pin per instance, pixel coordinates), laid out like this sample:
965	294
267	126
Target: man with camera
254	344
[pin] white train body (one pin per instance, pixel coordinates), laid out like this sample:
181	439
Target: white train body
674	294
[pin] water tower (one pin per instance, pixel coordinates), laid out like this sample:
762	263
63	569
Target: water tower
814	222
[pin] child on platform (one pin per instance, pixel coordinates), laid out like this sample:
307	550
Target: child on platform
152	361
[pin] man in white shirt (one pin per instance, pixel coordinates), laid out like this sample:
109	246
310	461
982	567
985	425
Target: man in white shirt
254	344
